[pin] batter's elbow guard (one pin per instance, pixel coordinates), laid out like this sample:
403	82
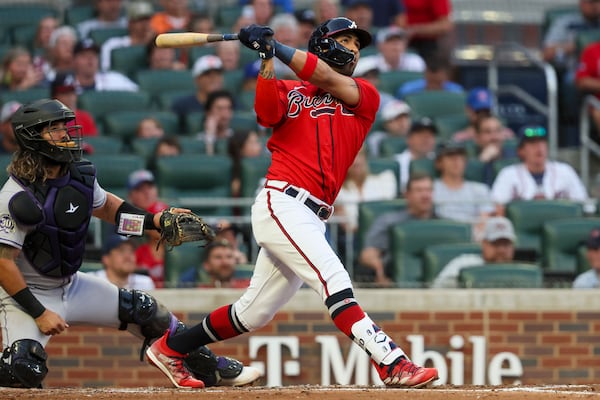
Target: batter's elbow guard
27	366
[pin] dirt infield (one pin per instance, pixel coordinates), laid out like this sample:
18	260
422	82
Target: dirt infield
312	392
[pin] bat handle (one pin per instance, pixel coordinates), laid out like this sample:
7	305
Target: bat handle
230	36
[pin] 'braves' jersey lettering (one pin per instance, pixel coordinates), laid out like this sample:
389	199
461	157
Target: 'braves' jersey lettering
318	105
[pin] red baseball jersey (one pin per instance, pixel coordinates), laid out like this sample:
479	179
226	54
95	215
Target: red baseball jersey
589	63
317	139
422	12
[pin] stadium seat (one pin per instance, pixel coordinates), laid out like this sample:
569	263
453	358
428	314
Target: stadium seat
196	52
243	271
24	35
509	275
101	35
232	80
253	169
243	121
128	60
157	82
380	164
474	170
227	16
24	96
104	144
165	100
585	38
193	123
191	177
192	145
76	14
114	169
389	82
409	239
449	124
100	104
13	15
179	259
245	100
436	103
144	147
561	241
529	216
437	256
123	124
423	165
392	145
368	211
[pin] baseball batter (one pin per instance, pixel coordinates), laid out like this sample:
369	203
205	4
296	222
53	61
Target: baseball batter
319	125
45	209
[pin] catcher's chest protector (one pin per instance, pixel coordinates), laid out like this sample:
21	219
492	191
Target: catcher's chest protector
56	246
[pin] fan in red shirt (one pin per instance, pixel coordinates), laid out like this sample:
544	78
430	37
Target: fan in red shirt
429	25
319	124
587	78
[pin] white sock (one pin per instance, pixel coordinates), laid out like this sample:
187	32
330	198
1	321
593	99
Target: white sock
375	342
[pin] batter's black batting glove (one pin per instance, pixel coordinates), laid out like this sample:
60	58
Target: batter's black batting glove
259	38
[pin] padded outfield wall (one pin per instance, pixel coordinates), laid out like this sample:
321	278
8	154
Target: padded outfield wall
482	337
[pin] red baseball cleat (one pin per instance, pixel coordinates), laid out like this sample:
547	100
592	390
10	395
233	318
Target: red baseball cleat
403	372
171	364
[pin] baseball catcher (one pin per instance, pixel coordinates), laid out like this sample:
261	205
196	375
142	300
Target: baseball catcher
45	210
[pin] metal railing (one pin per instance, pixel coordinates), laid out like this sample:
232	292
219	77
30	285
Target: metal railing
519	55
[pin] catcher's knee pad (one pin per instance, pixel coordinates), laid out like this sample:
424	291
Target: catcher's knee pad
26	367
137	307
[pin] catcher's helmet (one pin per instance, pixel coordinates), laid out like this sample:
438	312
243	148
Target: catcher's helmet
326	48
29	121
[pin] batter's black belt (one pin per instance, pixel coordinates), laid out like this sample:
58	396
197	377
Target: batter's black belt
323	211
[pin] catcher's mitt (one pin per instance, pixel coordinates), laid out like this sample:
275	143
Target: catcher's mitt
177	228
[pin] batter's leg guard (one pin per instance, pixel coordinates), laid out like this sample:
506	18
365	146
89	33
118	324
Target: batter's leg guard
23	365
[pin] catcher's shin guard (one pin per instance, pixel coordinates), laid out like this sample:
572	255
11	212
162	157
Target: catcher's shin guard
26	367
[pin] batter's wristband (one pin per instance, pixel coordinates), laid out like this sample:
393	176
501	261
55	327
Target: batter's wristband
27	300
309	67
284	53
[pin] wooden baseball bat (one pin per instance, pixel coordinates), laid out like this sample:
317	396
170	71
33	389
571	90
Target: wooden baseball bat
191	39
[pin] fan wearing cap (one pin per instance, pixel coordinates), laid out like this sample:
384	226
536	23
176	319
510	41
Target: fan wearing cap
497	246
319	122
139	31
107	15
455	197
391	52
87	71
536	177
208	77
435	77
118	260
479	104
64	89
420	143
396	124
8	142
590	279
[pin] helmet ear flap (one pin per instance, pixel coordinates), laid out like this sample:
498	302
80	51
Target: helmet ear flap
330	51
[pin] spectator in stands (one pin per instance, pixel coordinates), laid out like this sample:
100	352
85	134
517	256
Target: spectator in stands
286	6
242	144
361	12
307	23
88	76
143	193
166	146
456	198
118	259
420	144
489	145
18	71
251	71
107	15
176	15
208	75
41	39
396	123
201	22
229	53
559	46
59	55
162	57
8	143
287	32
218	265
479	102
587	78
429	26
376	253
536	177
217	119
232	233
368	68
385	12
64	89
435	77
326	9
149	128
140	32
392	54
362	185
497	246
590	279
257	12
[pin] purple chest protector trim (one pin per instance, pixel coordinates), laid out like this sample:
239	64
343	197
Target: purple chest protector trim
57	244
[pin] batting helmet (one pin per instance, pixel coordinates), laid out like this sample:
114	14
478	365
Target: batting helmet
29	121
322	44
